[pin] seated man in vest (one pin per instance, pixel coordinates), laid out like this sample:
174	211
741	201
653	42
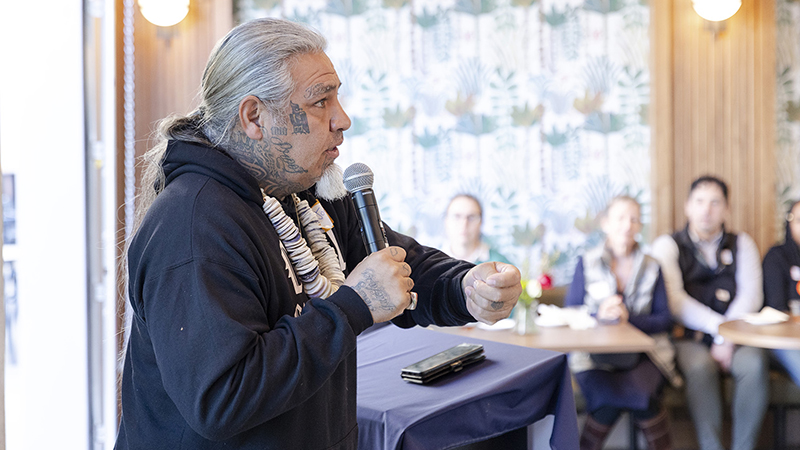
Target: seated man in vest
713	275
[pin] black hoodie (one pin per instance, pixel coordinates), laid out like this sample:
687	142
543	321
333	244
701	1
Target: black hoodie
781	282
220	355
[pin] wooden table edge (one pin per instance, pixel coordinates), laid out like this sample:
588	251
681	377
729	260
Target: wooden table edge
528	340
731	330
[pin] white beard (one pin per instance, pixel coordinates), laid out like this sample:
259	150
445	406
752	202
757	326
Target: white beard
331	185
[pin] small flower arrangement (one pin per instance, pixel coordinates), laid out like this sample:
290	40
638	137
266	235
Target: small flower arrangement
532	289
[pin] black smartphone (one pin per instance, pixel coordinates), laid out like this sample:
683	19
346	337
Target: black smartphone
451	360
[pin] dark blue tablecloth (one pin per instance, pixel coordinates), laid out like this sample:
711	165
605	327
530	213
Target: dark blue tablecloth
514	387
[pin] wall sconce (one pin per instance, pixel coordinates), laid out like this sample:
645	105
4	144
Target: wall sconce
716	10
164	13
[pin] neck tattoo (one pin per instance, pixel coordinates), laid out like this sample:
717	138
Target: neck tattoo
317	266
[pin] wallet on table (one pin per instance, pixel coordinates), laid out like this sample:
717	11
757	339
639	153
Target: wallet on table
451	360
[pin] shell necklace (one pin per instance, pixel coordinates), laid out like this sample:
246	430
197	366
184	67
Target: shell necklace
317	267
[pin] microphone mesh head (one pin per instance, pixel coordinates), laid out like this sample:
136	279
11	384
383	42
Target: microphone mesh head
358	177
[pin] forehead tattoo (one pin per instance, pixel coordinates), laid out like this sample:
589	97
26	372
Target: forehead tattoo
318	89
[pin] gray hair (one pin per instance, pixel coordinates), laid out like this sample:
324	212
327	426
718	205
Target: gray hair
255	58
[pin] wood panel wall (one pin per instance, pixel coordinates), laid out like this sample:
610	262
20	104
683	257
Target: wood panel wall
713	109
170	63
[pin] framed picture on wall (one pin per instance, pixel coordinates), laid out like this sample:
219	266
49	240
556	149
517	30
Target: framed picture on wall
12	307
9	210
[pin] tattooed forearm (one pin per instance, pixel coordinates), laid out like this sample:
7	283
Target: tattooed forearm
373	293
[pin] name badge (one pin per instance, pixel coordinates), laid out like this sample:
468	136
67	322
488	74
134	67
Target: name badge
325	220
726	257
723	295
795	273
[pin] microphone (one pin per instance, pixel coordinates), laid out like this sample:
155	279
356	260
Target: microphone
358	180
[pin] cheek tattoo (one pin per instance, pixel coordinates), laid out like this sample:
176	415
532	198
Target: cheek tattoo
299	119
285	162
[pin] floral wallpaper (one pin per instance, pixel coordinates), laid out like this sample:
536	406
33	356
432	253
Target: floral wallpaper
787	105
537	107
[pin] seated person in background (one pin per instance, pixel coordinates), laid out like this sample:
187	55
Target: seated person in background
713	276
462	225
619	283
782	282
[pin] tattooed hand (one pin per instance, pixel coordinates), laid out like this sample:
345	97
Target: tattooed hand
382	281
492	290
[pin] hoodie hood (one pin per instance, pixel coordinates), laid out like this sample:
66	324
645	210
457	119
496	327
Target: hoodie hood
182	158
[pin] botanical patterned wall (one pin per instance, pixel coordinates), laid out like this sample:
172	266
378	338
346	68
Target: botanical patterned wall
537	107
787	91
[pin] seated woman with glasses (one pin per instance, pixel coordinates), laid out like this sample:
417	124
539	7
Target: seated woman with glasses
782	283
462	224
617	282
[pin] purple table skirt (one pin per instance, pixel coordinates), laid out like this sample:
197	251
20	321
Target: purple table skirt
514	387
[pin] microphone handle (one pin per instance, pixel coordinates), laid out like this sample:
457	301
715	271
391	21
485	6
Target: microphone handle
371	226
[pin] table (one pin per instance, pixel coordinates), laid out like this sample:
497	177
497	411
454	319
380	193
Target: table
616	338
604	338
514	387
784	335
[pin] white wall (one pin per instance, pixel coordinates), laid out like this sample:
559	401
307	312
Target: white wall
42	142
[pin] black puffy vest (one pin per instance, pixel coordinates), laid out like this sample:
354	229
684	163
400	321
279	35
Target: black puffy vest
713	288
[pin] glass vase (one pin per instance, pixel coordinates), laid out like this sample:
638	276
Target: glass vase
525	315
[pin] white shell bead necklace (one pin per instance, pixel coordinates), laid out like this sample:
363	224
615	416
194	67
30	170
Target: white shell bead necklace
317	267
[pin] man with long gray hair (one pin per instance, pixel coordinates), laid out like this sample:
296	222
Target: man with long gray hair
248	277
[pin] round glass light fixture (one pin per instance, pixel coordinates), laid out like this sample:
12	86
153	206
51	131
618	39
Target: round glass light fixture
164	13
716	10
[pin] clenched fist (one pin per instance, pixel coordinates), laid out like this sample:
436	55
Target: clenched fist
492	289
383	281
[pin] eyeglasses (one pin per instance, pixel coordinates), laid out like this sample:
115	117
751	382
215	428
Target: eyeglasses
470	218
